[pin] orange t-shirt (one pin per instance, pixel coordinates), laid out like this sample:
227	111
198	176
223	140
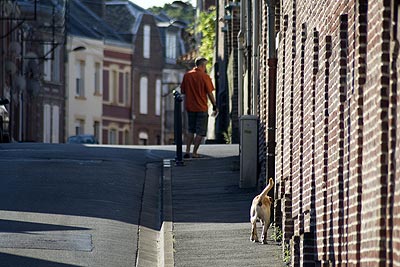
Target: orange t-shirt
196	84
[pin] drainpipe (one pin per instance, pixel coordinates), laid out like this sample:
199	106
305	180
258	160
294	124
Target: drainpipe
272	65
248	44
240	38
255	43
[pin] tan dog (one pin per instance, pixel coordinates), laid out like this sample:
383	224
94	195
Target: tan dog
261	210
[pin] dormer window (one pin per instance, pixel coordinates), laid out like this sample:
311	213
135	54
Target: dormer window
146	41
170	45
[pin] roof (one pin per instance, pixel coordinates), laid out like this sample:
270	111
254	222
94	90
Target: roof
125	17
84	22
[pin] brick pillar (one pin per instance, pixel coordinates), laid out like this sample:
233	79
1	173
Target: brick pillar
287	222
295	251
308	250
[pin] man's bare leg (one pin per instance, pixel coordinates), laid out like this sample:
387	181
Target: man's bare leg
197	142
189	141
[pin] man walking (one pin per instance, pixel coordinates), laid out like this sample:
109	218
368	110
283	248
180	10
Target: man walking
197	86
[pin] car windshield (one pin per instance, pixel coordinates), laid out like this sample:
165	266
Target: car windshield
82	139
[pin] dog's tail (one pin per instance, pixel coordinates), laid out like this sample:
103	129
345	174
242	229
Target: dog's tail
267	188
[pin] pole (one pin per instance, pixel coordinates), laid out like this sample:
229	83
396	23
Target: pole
178	128
248	44
272	66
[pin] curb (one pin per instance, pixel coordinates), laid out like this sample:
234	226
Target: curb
166	243
147	248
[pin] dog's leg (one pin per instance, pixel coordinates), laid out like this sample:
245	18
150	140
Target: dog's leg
254	236
264	232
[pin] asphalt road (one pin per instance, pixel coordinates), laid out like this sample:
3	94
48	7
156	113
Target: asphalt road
72	205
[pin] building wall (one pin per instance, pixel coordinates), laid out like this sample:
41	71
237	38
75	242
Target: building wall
337	134
38	109
151	68
117	110
87	108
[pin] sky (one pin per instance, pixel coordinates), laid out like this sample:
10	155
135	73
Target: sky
149	3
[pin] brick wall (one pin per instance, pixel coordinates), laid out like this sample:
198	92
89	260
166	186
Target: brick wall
262	103
337	139
233	31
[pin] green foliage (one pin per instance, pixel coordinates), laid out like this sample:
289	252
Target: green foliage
287	257
183	13
277	234
206	27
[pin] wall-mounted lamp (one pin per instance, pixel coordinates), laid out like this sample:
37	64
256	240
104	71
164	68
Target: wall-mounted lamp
78	48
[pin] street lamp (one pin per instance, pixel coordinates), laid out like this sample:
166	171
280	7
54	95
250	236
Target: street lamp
78	48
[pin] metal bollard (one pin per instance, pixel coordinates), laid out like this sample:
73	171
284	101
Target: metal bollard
178	128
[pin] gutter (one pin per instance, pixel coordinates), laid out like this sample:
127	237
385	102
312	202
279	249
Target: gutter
248	44
241	48
255	55
272	66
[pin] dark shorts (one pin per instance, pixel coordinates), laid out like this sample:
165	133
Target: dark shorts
198	123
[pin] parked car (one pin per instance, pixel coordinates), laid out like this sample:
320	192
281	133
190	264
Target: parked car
4	121
82	139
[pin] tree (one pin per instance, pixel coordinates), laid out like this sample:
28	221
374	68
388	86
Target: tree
184	12
181	11
206	28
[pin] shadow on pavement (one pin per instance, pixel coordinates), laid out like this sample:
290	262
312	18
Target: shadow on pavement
12	226
9	260
75	180
207	190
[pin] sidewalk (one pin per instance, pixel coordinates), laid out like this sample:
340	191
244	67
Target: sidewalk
210	214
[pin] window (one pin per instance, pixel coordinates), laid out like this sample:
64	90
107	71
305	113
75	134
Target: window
126	137
47	61
79	127
146	41
80	70
55	127
158	138
143	95
127	84
114	85
55	70
96	130
51	123
106	85
97	71
46	123
171	45
143	137
112	137
158	97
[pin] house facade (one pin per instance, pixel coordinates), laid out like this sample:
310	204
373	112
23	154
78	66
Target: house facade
9	64
322	78
139	27
89	67
147	80
117	95
84	100
37	93
99	76
172	73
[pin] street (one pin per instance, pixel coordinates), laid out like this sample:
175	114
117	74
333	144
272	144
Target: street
72	205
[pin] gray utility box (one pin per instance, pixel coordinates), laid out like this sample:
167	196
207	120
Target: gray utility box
248	151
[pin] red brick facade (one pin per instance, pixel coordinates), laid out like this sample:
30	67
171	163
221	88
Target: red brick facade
337	137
